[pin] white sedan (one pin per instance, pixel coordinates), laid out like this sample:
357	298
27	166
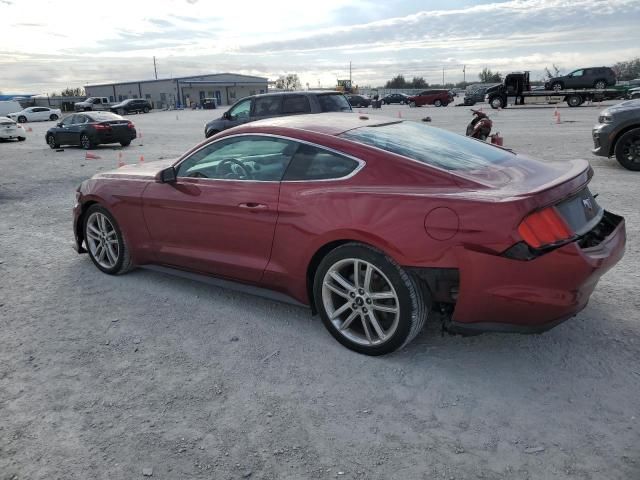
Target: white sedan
10	130
36	114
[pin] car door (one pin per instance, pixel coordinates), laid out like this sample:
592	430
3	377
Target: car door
219	217
78	125
238	114
574	79
63	132
41	113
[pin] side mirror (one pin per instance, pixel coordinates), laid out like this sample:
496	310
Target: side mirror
59	124
226	115
168	175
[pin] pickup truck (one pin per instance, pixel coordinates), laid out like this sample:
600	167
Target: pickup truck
92	103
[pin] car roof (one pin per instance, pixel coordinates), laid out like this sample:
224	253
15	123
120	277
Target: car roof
300	92
330	123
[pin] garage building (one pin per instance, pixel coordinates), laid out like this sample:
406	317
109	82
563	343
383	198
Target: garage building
226	88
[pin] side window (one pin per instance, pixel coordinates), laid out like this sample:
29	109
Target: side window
40	109
68	120
97	101
313	163
578	73
331	102
295	104
241	110
240	158
267	106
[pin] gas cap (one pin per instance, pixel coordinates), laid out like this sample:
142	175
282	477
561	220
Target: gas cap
441	223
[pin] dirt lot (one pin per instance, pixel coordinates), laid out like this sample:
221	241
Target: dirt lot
102	377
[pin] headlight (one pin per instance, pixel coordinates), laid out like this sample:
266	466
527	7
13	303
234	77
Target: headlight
605	119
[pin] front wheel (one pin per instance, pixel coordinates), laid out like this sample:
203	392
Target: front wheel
628	150
368	302
412	104
438	103
22	119
556	86
574	101
51	141
496	102
53	117
105	243
145	110
126	143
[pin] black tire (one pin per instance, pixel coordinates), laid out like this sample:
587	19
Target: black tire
627	150
600	84
145	110
574	100
22	119
412	300
53	117
211	133
124	263
557	86
126	143
496	102
51	141
121	111
22	139
438	103
86	142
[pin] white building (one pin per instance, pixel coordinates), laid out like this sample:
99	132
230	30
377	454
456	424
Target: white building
226	88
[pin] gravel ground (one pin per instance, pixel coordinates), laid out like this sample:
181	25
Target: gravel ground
107	377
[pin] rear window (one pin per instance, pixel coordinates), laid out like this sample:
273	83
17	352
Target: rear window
430	145
334	102
104	116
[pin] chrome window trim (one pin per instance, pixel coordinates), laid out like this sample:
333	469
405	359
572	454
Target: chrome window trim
361	163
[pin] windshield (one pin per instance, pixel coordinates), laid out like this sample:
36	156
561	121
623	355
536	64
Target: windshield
430	145
334	102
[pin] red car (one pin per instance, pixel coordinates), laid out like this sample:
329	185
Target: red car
439	98
373	223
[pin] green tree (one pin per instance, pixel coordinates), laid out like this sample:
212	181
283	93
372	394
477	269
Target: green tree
628	70
419	82
487	76
397	82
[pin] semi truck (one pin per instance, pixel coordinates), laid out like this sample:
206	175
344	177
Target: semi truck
517	85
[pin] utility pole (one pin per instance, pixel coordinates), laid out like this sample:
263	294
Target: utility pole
154	67
349	71
464	74
443	76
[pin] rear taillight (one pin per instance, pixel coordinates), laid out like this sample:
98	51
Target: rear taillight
130	125
543	228
102	126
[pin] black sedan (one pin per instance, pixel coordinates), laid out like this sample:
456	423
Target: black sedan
395	98
132	105
359	100
90	129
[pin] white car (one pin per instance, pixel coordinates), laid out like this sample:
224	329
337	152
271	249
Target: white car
36	114
10	130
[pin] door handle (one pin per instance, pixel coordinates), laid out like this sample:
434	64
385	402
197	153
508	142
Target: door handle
253	206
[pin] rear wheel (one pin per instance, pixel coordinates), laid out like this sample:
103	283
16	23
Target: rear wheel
22	119
574	100
105	242
627	150
438	103
145	109
126	143
121	111
85	142
51	141
600	84
367	301
53	117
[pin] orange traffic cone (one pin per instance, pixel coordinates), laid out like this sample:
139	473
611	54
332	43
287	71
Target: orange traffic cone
29	129
91	156
141	160
120	162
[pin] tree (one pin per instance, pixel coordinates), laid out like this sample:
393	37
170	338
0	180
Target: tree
419	82
628	70
288	82
487	76
397	82
548	74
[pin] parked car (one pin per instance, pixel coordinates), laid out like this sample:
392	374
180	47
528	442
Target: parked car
476	93
209	103
593	77
89	130
36	114
439	98
91	104
9	130
358	100
131	105
400	98
371	221
618	133
634	93
278	104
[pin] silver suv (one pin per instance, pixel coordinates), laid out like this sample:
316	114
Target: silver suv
279	104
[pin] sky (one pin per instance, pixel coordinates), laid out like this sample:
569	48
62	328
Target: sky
47	45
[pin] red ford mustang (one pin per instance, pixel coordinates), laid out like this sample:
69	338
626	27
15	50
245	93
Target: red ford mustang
371	222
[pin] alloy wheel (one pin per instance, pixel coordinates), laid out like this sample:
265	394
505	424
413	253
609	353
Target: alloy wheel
85	141
631	150
360	301
51	140
102	240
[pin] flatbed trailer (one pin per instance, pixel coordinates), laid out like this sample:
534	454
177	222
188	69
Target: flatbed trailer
517	86
574	98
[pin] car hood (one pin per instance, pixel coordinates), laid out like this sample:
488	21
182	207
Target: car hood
146	170
629	105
